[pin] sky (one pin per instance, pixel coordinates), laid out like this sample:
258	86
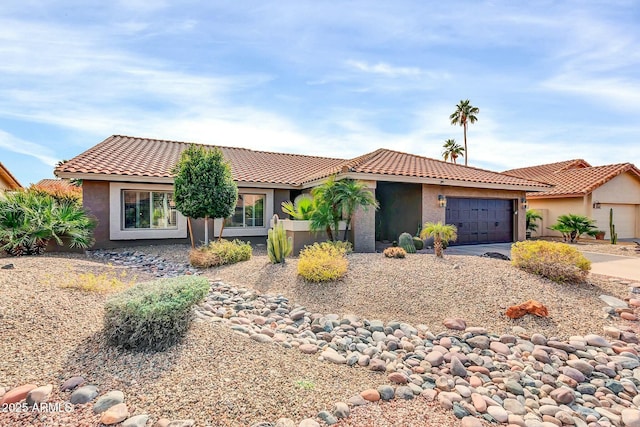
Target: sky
553	80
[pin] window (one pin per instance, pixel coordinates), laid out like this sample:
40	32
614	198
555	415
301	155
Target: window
148	210
249	212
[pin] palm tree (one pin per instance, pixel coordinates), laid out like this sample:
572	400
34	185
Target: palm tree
352	194
573	226
465	113
532	217
452	150
440	232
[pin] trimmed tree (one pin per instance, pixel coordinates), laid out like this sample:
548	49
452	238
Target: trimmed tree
440	233
204	186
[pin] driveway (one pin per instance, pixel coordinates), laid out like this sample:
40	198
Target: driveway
608	265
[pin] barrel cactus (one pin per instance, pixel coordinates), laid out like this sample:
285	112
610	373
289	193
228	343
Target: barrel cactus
405	241
418	243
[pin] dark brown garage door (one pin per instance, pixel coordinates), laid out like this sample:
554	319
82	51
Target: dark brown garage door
481	220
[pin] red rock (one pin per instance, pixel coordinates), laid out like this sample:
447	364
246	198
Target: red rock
628	316
418	370
370	395
634	302
480	369
397	377
115	414
455	323
562	395
619	350
17	394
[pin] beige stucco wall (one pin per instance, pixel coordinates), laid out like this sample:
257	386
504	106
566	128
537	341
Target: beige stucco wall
551	209
624	188
364	225
432	212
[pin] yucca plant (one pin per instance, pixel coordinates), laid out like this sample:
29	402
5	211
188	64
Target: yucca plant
29	220
301	208
441	233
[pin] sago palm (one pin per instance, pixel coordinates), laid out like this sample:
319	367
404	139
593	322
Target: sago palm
573	226
464	114
301	208
452	150
440	232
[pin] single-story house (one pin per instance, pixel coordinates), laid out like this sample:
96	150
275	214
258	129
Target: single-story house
582	189
128	187
7	181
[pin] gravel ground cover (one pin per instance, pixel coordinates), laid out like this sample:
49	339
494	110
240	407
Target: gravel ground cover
50	334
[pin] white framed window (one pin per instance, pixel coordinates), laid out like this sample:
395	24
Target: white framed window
249	212
144	211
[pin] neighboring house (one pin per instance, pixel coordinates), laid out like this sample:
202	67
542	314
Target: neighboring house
7	180
582	189
128	186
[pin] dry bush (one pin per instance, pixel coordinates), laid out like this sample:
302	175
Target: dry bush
323	262
395	252
555	261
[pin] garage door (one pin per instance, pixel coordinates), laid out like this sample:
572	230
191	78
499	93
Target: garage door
481	220
624	217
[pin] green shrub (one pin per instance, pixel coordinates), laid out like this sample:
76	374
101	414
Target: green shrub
556	261
322	262
29	219
220	252
405	241
394	252
418	243
153	316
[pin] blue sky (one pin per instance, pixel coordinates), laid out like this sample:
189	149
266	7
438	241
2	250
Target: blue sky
553	80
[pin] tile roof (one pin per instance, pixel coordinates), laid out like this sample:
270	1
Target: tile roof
541	171
9	178
390	162
573	177
55	184
154	158
141	157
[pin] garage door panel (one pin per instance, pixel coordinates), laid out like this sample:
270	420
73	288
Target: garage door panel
481	220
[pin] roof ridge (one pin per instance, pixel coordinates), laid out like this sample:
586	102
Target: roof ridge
222	146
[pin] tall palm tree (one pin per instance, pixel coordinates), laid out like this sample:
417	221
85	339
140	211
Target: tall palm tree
465	113
352	194
439	232
452	150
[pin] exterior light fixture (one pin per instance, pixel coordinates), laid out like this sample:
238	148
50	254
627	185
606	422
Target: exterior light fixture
524	203
442	201
596	205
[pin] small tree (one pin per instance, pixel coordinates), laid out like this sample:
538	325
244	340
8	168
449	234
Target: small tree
573	226
204	186
532	217
351	195
440	232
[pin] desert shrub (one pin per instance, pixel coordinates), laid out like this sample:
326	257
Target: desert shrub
107	281
418	243
556	261
153	316
322	262
405	241
394	252
343	246
220	252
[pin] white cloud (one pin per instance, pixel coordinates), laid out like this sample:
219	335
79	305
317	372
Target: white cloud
17	145
384	69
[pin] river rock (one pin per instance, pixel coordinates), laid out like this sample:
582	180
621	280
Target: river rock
115	414
39	394
17	394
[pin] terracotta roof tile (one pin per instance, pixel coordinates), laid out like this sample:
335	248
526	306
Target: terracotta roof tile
390	162
141	157
54	184
572	178
9	178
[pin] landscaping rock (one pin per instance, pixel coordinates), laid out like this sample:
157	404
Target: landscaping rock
72	383
39	394
370	395
136	421
84	394
17	394
455	324
327	417
115	414
182	423
107	401
341	410
386	392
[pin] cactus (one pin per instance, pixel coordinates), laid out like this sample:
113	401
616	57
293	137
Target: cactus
612	229
418	243
405	241
279	246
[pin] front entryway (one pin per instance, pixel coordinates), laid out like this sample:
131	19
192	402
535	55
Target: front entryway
481	220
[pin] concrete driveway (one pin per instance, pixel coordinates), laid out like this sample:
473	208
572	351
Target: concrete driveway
620	266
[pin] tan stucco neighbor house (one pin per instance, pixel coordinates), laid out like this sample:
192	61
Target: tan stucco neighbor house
582	189
128	187
7	181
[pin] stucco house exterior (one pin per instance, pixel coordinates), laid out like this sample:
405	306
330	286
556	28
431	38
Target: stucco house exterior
7	181
128	187
582	189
